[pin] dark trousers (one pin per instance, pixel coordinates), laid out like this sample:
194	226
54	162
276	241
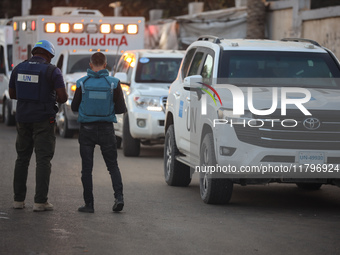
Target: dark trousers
40	137
102	134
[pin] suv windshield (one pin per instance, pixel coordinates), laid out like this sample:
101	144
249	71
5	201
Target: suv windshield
80	63
157	70
279	69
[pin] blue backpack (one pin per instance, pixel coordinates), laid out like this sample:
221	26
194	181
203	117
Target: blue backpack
97	100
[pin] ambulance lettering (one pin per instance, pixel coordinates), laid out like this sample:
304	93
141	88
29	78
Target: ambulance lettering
22	53
94	41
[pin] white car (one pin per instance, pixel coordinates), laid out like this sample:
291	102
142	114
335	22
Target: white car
145	76
253	112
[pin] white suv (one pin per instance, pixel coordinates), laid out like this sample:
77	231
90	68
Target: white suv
145	76
253	112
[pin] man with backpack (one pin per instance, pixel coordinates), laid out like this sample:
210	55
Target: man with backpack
98	98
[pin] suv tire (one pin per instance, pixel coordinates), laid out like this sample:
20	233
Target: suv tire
64	131
131	146
309	186
213	190
119	142
175	172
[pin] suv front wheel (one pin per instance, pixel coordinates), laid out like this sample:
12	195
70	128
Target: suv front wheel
213	190
175	172
131	146
62	124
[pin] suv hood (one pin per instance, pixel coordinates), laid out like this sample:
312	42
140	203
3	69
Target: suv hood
73	77
160	89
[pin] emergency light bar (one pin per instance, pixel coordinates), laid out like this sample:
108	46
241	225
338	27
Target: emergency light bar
118	28
51	27
78	28
15	26
105	28
33	25
24	26
64	28
132	29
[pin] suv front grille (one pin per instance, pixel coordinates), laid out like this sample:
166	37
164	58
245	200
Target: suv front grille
326	137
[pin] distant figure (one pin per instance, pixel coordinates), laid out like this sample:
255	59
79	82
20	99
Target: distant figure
37	85
98	98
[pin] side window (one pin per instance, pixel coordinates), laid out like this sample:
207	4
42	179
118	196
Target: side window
207	69
187	61
60	62
123	66
196	63
2	60
126	65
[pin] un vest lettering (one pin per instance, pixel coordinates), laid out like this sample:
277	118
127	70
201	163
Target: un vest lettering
28	78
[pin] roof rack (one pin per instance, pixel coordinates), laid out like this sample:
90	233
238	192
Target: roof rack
214	39
301	40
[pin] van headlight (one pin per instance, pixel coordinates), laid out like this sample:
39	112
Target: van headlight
71	89
148	103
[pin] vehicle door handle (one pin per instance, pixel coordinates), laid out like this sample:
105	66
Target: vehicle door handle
177	94
188	99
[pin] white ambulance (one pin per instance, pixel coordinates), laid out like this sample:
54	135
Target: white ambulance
6	65
76	36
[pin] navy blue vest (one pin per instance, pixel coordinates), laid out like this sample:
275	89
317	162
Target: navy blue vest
34	90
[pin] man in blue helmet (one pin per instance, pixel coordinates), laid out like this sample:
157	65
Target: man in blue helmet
38	86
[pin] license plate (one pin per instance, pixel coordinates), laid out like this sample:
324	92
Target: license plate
308	157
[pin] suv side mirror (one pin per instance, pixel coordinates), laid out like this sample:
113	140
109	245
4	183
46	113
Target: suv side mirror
122	77
193	81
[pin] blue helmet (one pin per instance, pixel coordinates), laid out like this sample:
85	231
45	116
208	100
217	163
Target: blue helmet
46	45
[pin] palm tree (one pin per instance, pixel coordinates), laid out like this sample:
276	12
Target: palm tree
255	19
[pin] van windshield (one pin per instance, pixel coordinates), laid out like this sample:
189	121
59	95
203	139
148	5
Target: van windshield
279	68
80	63
157	70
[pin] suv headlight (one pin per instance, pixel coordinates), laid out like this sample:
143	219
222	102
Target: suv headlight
149	103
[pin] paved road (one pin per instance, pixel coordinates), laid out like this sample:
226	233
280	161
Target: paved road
158	219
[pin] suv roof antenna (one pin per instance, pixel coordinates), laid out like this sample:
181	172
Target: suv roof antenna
214	39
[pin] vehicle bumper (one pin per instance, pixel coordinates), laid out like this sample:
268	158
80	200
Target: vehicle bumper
262	162
147	125
72	117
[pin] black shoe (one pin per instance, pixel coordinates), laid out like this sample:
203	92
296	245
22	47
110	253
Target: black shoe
88	208
118	206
